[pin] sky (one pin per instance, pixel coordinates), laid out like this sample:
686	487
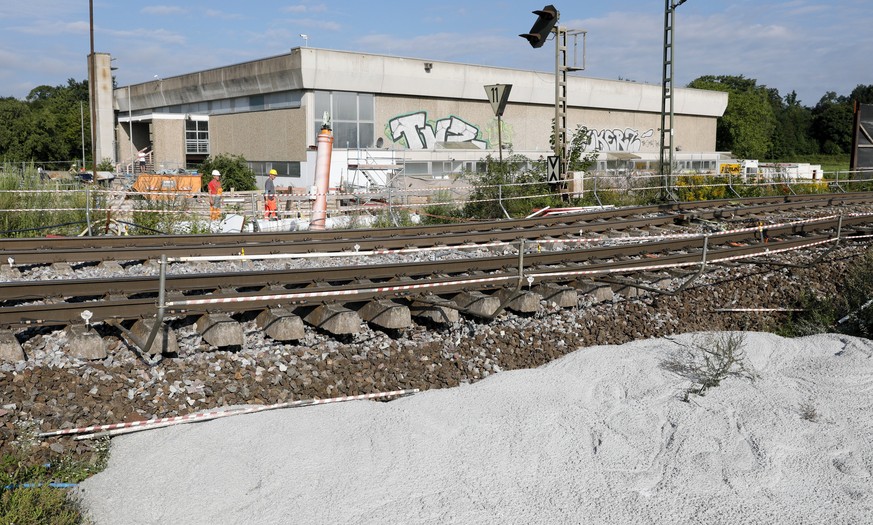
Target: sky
791	45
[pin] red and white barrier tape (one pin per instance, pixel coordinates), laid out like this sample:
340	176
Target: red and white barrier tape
677	265
368	253
206	416
336	293
334	254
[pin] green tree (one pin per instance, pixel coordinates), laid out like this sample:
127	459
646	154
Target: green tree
833	119
46	126
863	94
235	172
748	123
793	133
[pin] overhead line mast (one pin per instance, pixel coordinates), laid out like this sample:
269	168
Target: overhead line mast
667	145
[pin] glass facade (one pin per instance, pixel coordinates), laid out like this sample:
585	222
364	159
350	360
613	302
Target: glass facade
352	117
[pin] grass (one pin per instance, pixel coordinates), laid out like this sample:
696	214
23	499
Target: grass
26	496
847	311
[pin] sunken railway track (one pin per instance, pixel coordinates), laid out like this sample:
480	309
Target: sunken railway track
35	251
504	277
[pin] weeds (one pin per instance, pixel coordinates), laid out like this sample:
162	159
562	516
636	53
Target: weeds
846	312
808	412
26	496
709	360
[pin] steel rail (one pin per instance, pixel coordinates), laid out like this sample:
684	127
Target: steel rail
551	268
181	283
26	290
79	250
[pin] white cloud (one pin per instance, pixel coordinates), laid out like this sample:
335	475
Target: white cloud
151	35
301	8
213	13
163	10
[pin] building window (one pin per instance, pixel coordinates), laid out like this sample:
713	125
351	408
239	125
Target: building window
352	117
197	136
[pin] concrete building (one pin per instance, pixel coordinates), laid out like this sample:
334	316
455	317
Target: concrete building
426	118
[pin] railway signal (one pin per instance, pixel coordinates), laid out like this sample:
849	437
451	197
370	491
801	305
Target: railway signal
547	17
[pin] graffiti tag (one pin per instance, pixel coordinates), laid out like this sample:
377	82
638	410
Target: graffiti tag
421	134
629	140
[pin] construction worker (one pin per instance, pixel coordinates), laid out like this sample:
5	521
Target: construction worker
270	202
215	192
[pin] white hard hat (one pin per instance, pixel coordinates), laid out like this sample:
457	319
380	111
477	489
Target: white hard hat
216	173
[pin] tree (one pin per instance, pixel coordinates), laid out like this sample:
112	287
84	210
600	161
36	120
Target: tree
862	94
793	133
235	172
748	123
832	124
46	126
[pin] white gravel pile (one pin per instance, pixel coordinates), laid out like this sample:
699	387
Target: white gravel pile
599	436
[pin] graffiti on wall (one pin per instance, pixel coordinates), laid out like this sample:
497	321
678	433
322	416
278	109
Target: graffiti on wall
629	140
418	133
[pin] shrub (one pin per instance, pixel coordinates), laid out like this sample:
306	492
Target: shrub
709	360
235	172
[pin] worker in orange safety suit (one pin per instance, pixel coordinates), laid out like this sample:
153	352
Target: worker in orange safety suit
270	202
215	192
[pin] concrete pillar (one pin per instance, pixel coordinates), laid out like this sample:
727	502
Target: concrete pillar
104	108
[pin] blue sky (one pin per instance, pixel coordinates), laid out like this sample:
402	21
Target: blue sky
801	45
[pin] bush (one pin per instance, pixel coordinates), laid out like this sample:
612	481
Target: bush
235	172
709	360
850	311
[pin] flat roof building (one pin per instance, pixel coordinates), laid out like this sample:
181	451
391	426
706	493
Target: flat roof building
432	117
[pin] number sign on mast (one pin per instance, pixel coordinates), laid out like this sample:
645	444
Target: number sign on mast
497	95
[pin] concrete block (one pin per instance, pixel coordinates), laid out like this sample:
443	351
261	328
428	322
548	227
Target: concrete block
280	324
563	296
85	343
524	303
10	350
444	312
111	266
335	319
9	273
165	341
220	330
386	314
600	292
477	303
62	268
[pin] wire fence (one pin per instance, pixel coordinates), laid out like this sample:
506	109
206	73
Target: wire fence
32	204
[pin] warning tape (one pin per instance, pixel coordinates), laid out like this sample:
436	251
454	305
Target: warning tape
205	416
368	253
677	265
337	293
316	255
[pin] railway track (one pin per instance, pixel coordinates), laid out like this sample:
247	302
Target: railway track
24	252
661	287
436	289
